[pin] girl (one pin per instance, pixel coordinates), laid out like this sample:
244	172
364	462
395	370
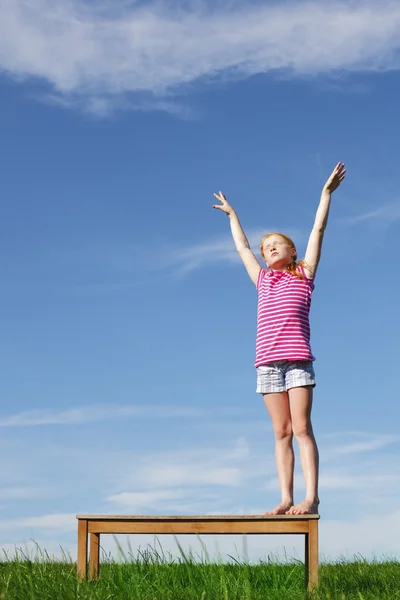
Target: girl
284	361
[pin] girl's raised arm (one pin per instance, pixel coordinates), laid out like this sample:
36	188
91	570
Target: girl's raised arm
242	245
313	252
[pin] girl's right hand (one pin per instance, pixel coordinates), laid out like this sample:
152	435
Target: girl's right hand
224	206
336	178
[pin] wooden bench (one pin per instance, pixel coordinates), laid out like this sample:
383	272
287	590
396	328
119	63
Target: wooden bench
94	525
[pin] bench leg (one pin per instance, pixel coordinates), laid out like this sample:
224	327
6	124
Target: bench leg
311	556
94	559
82	548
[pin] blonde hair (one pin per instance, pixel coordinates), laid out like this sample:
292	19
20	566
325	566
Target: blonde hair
293	266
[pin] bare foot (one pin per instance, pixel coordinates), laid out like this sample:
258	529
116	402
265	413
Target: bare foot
281	509
307	507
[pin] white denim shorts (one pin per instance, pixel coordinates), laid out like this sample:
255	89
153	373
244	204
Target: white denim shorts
282	375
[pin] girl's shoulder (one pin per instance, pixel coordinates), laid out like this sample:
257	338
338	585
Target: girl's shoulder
305	272
307	277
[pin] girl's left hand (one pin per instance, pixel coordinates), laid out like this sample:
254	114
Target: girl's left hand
336	178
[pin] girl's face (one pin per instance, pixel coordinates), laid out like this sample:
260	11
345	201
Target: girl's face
278	253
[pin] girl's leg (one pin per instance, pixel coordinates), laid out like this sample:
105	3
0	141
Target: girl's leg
300	400
278	407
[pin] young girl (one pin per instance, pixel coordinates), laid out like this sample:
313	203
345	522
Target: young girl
284	361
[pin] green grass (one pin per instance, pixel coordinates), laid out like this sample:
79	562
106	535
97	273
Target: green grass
152	576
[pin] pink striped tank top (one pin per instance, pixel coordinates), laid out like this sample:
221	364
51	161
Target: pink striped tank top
283	327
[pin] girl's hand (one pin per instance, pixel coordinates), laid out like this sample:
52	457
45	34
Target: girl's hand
225	207
336	178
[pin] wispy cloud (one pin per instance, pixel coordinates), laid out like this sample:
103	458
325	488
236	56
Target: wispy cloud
56	521
384	215
97	54
179	500
90	414
184	260
124	266
185	471
343	482
22	493
367	443
179	258
194	474
365	535
136	502
105	106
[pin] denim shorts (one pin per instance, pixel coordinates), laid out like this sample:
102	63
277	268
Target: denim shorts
282	375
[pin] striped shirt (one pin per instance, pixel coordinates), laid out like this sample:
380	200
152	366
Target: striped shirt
283	327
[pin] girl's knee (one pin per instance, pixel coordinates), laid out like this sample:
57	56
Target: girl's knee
283	432
303	430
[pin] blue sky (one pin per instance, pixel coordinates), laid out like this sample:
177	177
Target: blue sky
128	333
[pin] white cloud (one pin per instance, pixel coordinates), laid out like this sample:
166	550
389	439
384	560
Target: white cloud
132	263
57	521
101	54
136	502
384	215
222	250
193	471
194	475
180	259
105	106
351	482
186	260
22	493
368	535
90	414
368	444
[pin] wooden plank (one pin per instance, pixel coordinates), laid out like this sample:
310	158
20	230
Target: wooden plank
312	562
188	527
198	517
82	548
306	560
94	559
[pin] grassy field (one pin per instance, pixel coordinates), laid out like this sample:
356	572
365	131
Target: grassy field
150	576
